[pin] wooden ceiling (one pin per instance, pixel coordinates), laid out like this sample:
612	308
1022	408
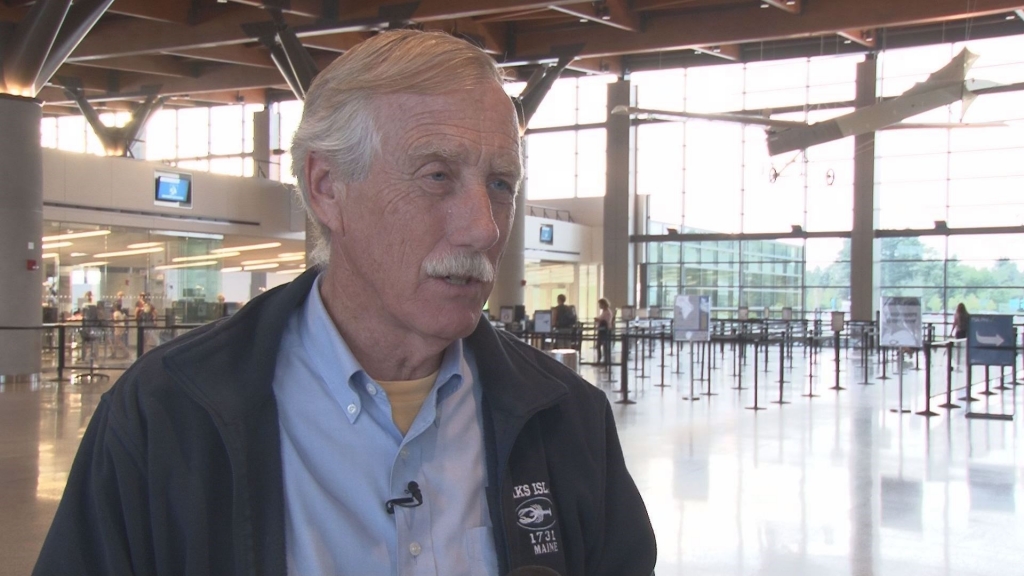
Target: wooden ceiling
208	51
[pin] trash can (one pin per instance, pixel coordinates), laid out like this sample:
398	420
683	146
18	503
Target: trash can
567	356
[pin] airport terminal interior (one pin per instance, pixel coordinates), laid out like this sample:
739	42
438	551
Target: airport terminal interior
784	202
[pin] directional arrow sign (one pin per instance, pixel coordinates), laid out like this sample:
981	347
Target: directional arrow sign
996	340
990	340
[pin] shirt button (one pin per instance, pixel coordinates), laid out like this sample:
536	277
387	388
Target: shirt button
371	389
404	453
415	549
352	409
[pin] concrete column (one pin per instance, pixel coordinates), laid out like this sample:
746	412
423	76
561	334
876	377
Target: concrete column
21	227
619	264
261	143
508	286
862	277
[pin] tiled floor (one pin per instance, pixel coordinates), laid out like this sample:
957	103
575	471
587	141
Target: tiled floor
833	485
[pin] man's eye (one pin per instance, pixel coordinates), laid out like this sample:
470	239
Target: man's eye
503	186
438	176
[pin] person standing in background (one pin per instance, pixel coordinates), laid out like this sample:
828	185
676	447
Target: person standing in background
605	322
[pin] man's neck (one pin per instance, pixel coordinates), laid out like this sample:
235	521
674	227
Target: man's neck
385	351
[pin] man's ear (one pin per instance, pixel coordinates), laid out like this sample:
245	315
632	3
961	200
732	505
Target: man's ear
325	193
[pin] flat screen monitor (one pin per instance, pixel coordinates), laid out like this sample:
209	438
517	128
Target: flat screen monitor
173	189
547	234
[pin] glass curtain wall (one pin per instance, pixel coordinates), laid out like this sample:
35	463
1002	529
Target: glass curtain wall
216	139
706	177
566	140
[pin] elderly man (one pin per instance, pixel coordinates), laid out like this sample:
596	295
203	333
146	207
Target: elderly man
365	419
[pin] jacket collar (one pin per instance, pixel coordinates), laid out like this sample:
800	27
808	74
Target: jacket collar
229	366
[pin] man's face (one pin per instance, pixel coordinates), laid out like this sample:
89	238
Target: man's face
443	185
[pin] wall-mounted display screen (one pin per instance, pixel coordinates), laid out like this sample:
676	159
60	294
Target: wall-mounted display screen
547	234
173	189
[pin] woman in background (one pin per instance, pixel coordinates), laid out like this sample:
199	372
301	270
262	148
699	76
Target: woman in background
605	323
961	319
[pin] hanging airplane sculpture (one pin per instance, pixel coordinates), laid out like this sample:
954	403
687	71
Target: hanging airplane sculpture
943	87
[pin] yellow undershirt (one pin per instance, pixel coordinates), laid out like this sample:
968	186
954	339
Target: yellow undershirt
406	398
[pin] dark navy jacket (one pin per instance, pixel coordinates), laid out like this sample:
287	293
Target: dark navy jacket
179	472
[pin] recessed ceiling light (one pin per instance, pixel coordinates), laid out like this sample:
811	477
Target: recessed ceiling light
246	248
129	252
186	265
73	235
261	267
145	244
205	257
92	264
51	245
78	254
269	260
231	269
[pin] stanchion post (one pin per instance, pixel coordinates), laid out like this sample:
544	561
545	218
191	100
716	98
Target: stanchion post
756	407
661	342
927	412
780	401
835	346
140	341
901	409
692	397
988	389
624	373
710	356
949	378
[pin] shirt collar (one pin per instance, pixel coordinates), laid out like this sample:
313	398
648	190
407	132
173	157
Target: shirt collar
343	373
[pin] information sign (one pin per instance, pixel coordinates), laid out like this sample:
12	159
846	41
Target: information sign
542	321
990	340
838	320
901	322
787	313
628	313
743	313
508	314
692	318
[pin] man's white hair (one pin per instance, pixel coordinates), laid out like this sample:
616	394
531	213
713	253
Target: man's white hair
337	120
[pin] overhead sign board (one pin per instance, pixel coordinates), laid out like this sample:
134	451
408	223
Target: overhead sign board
901	322
692	318
990	340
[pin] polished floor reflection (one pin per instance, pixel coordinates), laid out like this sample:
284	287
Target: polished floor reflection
835	484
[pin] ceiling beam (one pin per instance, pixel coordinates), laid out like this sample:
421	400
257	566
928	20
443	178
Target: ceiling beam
790	6
307	8
731	52
647	5
610	65
109	39
145	64
866	38
749	23
236	54
160	10
615	14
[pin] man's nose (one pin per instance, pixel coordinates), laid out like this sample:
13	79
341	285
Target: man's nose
471	219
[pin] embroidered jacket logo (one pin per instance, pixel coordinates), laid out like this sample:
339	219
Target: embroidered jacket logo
535	514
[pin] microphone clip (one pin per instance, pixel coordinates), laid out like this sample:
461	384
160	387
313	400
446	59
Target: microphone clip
414	499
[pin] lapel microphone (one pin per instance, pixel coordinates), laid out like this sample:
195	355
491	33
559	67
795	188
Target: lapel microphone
414	499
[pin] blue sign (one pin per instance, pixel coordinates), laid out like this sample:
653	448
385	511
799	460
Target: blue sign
990	340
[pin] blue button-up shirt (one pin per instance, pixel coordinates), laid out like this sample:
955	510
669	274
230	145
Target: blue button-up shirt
343	457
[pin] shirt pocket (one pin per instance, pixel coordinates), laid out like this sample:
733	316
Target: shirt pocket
480	553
